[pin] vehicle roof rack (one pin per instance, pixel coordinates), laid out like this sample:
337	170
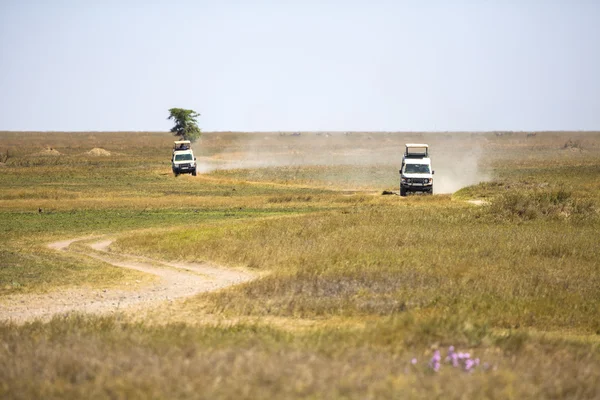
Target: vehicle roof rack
416	150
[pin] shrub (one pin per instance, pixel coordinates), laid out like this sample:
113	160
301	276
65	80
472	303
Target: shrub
545	204
573	144
4	156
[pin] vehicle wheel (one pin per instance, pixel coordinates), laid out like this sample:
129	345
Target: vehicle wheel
176	174
194	173
402	191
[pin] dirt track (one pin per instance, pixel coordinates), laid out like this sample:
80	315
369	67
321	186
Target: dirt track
176	280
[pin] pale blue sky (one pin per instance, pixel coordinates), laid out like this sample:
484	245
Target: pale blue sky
300	65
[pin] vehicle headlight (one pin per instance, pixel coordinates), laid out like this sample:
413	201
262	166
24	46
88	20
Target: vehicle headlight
403	180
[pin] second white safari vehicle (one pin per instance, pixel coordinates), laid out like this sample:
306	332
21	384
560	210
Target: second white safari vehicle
416	174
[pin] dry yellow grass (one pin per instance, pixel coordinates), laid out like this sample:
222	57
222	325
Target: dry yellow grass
355	284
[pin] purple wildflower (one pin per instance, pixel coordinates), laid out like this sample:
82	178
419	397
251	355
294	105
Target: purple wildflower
437	357
455	360
451	354
434	363
413	361
469	364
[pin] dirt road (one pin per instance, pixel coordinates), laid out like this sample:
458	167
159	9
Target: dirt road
175	280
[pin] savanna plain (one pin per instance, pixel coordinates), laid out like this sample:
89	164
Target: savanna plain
490	288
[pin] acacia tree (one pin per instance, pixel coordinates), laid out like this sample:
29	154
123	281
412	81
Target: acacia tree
186	125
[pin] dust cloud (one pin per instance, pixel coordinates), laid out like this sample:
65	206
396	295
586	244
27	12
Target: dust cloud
349	159
458	167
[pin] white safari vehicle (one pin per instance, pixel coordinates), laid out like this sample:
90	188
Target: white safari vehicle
416	174
183	160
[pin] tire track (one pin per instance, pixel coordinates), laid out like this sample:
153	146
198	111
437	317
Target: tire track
176	280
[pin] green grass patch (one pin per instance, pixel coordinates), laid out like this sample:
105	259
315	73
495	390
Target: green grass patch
27	265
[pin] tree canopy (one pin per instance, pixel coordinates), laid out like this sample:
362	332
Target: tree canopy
186	125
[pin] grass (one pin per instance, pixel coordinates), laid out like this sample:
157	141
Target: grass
353	285
80	195
444	260
29	266
108	357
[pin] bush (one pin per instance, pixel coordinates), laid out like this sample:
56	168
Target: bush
546	204
573	144
4	156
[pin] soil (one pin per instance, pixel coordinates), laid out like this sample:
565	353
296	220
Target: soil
175	280
478	202
49	152
96	151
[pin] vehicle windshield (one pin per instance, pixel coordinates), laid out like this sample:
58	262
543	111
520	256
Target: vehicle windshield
183	157
416	169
